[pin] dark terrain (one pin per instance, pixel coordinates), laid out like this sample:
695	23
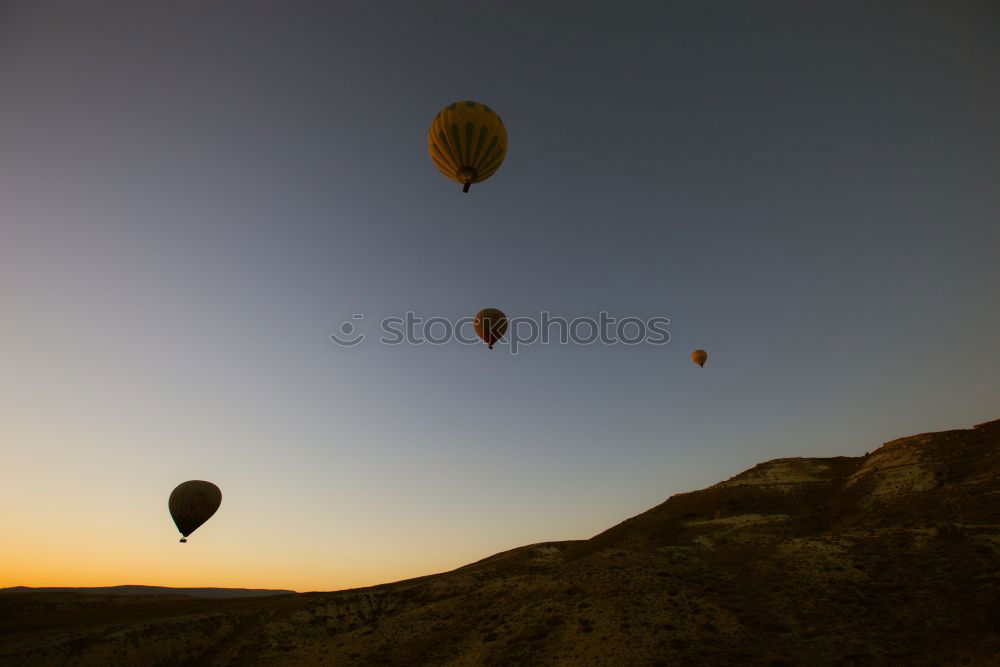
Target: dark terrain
890	558
153	590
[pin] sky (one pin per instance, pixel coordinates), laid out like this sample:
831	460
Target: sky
194	196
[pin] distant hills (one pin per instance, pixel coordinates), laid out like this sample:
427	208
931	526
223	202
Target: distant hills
890	558
155	590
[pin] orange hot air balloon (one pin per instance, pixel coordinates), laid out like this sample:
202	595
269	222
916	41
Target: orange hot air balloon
699	357
192	504
467	142
490	325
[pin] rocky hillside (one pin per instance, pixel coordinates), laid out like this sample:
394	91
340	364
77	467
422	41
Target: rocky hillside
890	558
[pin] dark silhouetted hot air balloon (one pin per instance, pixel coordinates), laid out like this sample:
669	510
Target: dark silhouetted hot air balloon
467	142
192	504
699	357
491	325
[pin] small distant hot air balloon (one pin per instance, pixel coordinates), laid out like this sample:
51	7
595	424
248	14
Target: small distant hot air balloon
192	504
699	357
467	142
490	325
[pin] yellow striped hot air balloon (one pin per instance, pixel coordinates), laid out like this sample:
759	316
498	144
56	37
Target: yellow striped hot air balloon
467	142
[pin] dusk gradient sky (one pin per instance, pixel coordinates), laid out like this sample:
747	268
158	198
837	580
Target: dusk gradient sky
195	195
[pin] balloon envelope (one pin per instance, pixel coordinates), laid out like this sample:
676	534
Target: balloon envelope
490	325
699	357
192	504
467	142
